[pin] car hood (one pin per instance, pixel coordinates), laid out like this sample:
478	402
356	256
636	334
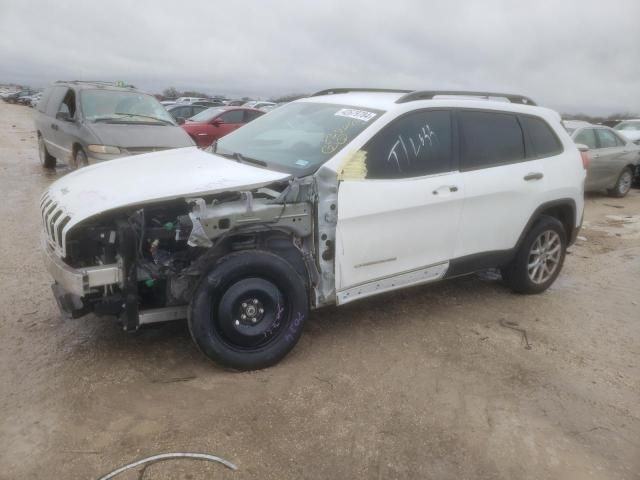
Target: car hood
148	178
132	136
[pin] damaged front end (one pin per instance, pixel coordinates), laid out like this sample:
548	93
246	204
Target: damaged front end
142	263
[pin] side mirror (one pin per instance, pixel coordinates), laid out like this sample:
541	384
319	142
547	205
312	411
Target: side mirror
64	116
582	147
180	120
217	122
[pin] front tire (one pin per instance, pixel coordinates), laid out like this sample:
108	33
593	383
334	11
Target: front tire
623	185
46	159
539	259
249	310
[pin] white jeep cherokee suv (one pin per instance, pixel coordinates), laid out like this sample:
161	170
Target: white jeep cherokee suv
326	200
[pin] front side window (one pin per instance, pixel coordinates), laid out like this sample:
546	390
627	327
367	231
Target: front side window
298	137
544	142
68	104
488	139
413	145
587	137
606	138
114	106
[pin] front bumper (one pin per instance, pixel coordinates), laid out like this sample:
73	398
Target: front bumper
80	281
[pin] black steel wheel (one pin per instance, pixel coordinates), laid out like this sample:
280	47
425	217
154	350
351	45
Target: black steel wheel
248	312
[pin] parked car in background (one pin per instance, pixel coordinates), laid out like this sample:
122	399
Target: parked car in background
35	99
614	161
180	112
216	122
19	96
257	104
85	122
235	103
209	103
630	129
190	99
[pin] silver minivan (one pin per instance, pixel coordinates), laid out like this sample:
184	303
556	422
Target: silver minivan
80	123
614	160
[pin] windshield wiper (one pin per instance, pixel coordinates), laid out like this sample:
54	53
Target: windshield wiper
238	157
255	161
162	120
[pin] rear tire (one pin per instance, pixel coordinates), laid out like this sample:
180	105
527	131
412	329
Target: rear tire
249	310
539	259
623	185
46	159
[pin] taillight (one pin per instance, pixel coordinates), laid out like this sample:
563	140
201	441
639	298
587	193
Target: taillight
585	160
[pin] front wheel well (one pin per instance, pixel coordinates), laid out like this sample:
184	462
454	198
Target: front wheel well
74	149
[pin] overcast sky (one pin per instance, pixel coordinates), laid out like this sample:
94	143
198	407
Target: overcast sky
574	56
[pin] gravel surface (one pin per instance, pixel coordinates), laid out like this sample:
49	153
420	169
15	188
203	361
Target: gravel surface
423	383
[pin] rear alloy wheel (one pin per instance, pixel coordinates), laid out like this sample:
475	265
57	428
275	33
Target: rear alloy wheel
46	159
80	159
248	312
539	258
623	185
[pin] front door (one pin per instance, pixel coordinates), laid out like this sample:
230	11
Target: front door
397	224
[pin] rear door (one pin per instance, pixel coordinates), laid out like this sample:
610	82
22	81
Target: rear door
503	185
397	223
609	159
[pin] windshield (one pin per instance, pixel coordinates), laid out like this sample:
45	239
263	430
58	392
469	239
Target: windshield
298	137
115	106
634	126
207	115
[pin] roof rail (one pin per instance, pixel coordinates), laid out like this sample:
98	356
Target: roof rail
429	94
333	91
97	82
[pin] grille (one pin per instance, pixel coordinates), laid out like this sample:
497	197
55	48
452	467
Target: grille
53	222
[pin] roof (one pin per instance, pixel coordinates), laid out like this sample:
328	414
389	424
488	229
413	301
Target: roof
406	100
93	84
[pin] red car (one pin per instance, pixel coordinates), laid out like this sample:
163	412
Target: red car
215	122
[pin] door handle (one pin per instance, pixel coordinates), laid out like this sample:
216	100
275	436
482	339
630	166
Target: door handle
533	176
451	188
54	126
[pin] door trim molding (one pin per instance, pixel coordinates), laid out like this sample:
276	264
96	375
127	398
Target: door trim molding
409	278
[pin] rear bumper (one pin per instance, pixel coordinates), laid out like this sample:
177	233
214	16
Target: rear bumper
80	282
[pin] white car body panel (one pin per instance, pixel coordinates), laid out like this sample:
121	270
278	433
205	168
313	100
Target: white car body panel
150	178
388	227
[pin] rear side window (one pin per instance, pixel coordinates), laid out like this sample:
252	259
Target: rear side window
488	139
55	100
234	116
543	142
42	104
413	145
607	139
586	137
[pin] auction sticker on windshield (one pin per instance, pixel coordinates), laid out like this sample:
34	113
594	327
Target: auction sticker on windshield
357	114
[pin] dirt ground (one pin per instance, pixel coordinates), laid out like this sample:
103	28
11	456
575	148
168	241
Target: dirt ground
424	383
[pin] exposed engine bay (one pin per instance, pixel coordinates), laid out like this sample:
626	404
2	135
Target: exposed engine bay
163	249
